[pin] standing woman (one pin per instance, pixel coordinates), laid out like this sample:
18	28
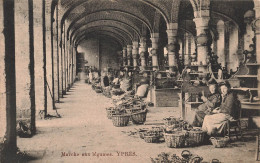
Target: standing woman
215	124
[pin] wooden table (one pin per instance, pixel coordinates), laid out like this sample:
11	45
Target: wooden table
166	97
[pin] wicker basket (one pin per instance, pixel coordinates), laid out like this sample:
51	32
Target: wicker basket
170	121
98	90
139	117
175	140
219	142
120	120
151	138
142	132
110	112
116	86
196	137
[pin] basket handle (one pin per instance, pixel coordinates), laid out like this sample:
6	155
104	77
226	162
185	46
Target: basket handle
196	159
185	152
212	138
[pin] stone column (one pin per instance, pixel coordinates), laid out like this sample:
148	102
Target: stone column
73	75
125	56
143	53
119	57
49	57
61	65
256	27
135	53
129	55
221	43
172	29
55	57
7	81
59	51
67	64
70	73
155	39
24	47
202	40
40	56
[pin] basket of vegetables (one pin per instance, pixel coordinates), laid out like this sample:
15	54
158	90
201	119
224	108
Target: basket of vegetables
219	142
196	136
151	136
120	120
139	117
175	139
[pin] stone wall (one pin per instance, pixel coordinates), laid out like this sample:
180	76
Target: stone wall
100	52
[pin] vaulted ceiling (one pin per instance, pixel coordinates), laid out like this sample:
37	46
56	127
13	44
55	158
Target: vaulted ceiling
129	20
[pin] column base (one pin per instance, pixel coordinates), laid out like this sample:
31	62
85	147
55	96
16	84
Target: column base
64	92
24	128
7	154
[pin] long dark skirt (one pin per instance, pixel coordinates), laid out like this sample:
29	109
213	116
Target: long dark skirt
198	118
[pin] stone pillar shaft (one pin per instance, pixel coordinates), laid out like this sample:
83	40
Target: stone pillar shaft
55	58
171	47
7	79
202	40
135	53
125	56
129	55
49	58
25	88
40	89
155	40
144	51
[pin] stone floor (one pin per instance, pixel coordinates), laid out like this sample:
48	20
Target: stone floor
84	129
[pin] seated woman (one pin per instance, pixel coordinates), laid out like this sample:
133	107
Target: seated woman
210	102
215	124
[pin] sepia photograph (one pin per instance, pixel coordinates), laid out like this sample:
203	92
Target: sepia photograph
129	81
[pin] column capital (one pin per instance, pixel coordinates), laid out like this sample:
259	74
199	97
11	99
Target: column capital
202	22
143	39
142	54
172	32
256	25
172	47
172	26
155	40
129	47
153	52
135	44
154	35
201	13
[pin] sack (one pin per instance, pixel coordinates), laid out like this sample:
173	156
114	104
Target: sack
142	90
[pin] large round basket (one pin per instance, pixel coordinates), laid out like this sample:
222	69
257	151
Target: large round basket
110	112
175	140
219	142
196	137
139	117
151	138
120	120
98	90
132	110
